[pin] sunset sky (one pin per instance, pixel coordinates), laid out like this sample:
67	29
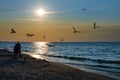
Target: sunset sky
58	18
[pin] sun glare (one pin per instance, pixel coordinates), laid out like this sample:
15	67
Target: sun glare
40	47
41	12
37	56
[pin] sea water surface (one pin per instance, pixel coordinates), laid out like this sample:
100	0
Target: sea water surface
98	57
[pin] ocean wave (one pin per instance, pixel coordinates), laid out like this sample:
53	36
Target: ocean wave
97	65
107	61
84	59
26	50
68	57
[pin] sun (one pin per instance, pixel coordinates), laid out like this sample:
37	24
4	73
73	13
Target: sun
41	12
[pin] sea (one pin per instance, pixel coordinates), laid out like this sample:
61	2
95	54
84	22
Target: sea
97	57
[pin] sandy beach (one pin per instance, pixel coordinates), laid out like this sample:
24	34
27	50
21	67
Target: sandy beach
28	68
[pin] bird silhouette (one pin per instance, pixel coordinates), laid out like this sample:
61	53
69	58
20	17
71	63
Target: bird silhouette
84	9
76	31
13	31
95	26
61	39
30	35
44	37
50	45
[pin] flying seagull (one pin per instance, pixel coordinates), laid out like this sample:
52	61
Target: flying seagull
61	39
76	31
44	37
95	26
30	35
13	31
50	45
84	9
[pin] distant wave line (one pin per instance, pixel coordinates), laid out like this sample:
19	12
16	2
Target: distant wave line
90	65
83	59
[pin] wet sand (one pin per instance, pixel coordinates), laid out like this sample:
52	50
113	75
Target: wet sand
28	68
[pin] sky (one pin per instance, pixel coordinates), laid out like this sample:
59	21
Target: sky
59	18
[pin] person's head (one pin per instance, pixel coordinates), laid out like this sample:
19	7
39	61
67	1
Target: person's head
15	44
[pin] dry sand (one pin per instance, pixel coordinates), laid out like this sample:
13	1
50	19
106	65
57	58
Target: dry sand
28	68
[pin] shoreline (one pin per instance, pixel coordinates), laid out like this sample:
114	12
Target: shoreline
28	67
94	71
87	69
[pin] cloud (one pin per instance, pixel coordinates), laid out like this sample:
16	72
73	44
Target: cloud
55	12
14	10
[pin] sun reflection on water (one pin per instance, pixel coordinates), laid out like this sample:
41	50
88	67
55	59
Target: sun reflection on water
40	49
37	56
